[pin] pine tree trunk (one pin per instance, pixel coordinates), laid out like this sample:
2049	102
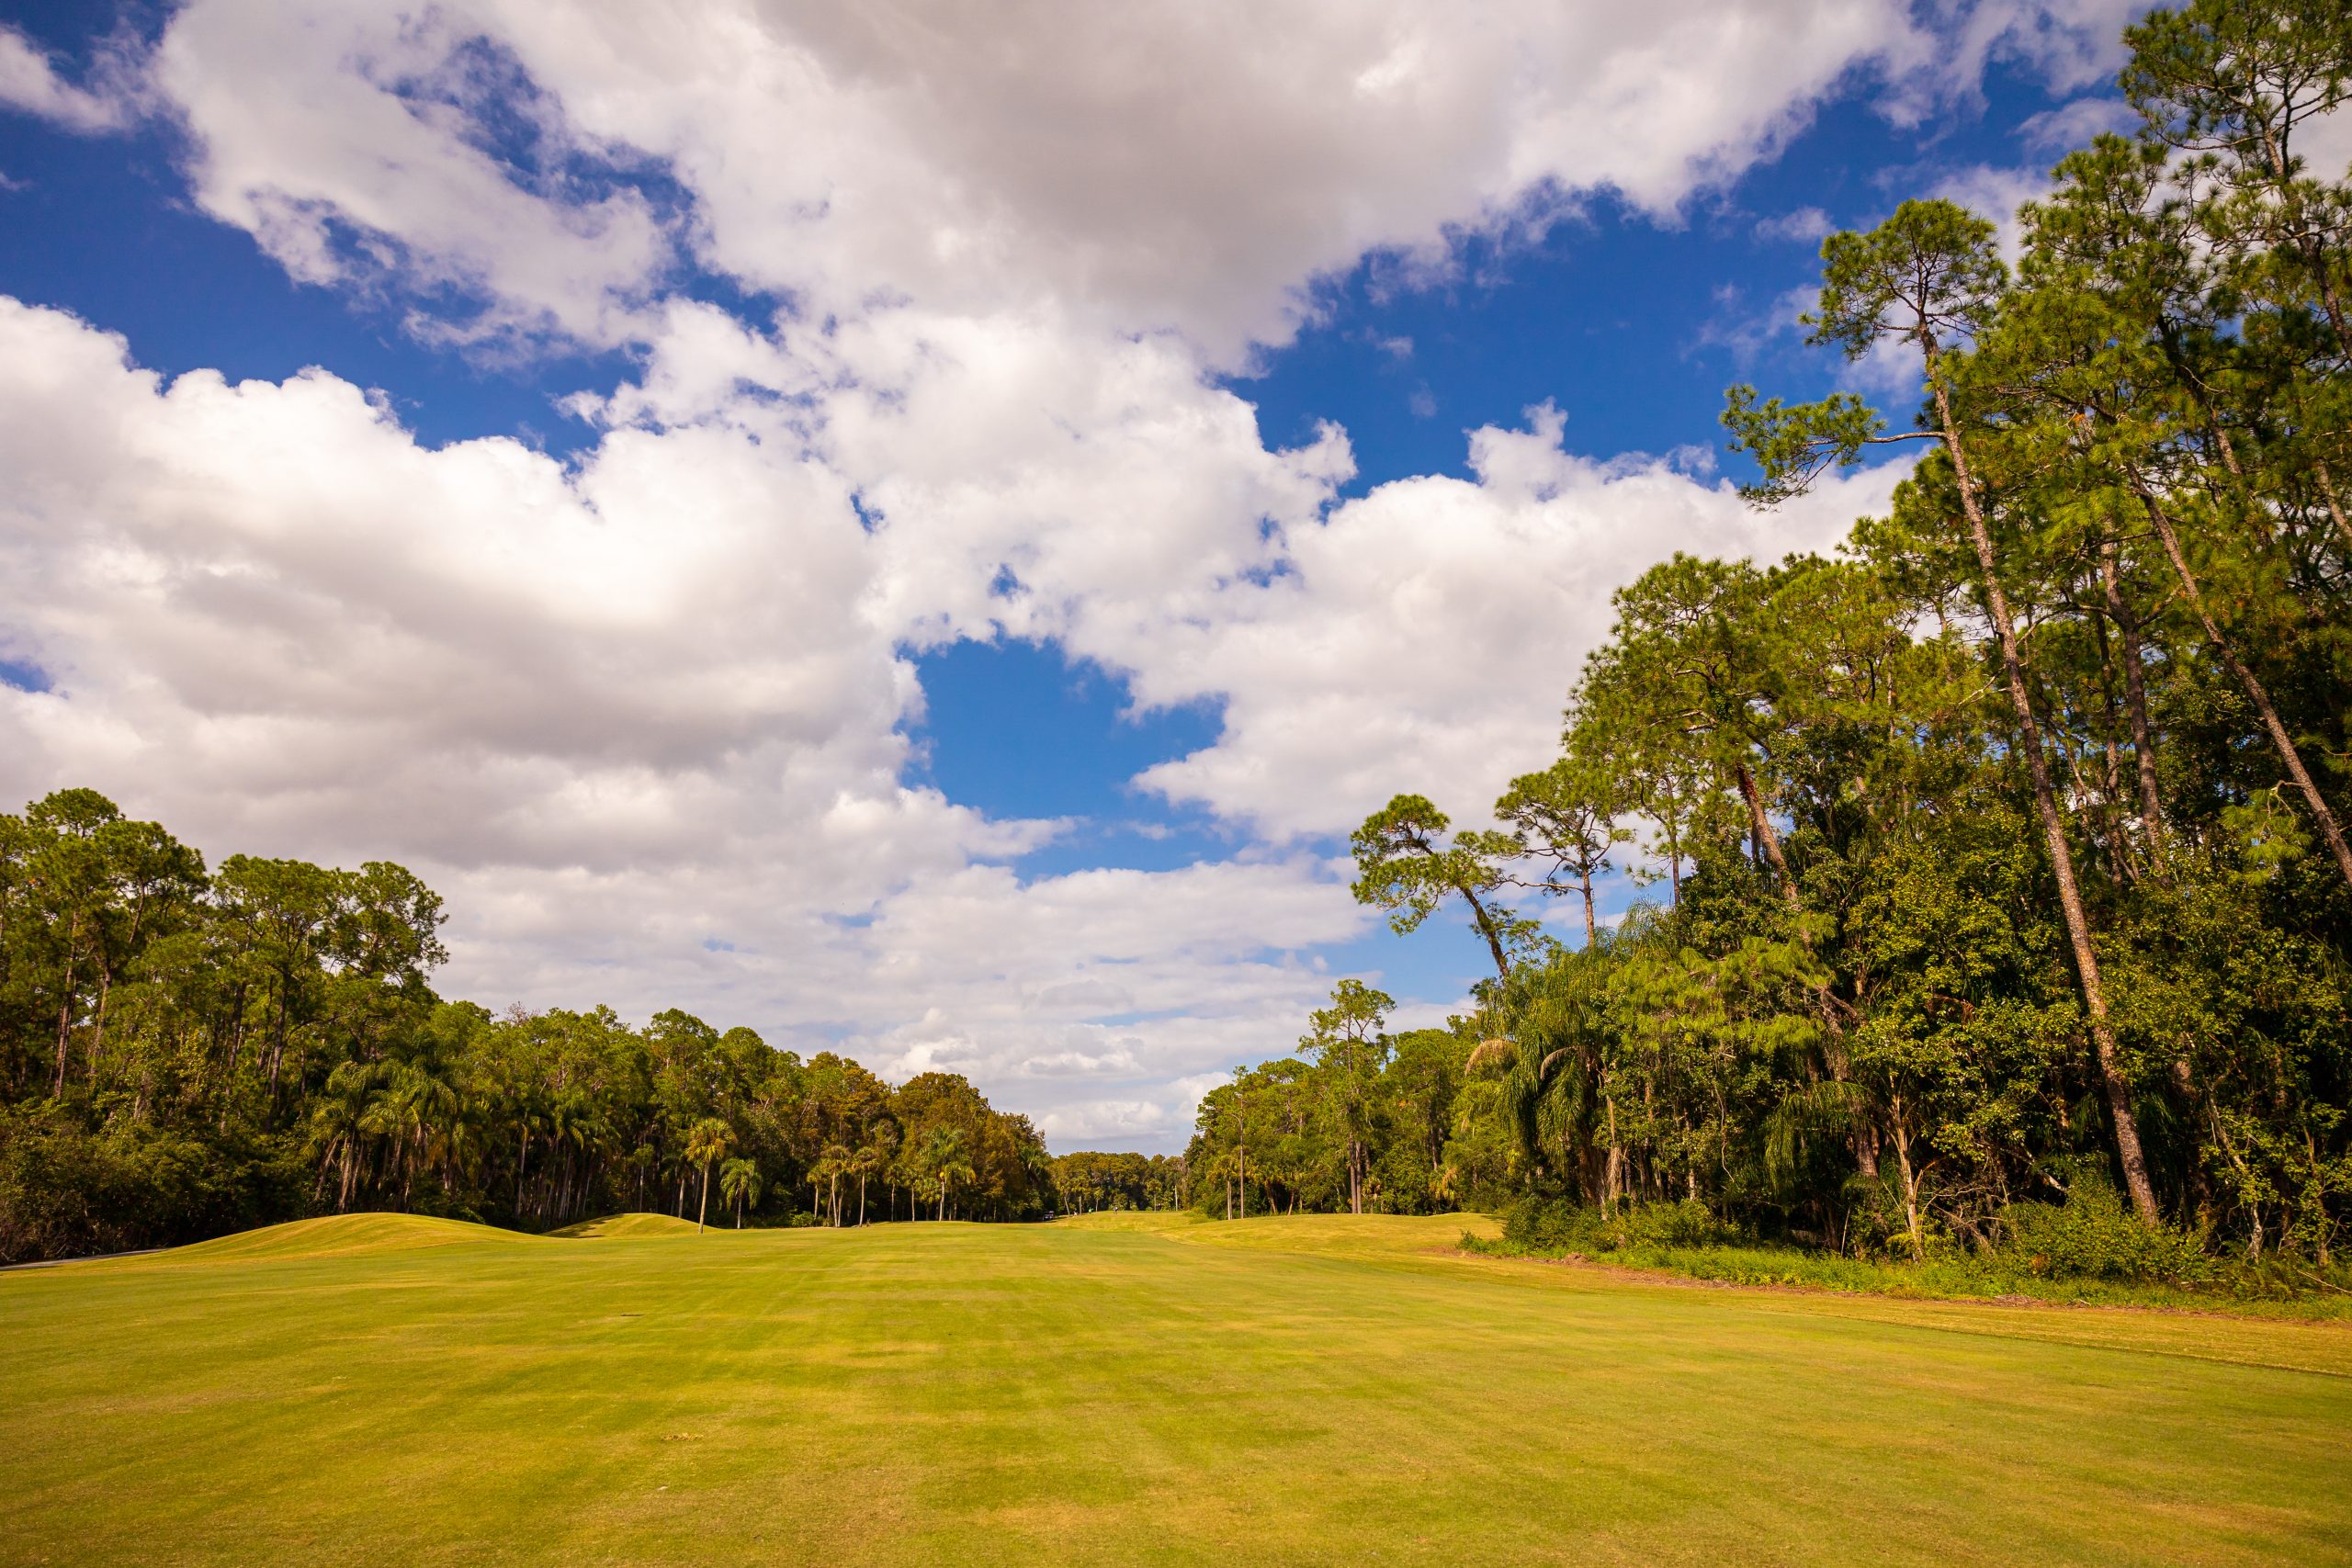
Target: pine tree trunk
1494	946
98	1024
2054	827
2135	702
1761	827
2283	743
65	1018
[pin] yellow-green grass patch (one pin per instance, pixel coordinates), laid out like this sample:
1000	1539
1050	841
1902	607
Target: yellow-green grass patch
1278	1391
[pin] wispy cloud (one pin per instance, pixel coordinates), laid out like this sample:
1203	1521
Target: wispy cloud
30	83
1805	223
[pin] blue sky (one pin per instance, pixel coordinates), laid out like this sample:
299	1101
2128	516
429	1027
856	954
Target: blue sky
954	565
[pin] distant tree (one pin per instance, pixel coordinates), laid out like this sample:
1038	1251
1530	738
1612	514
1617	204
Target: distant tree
739	1184
707	1144
866	1164
1348	1041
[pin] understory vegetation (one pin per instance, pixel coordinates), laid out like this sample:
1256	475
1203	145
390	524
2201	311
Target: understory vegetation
188	1052
2001	886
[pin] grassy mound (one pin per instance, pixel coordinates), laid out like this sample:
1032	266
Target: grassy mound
638	1225
343	1236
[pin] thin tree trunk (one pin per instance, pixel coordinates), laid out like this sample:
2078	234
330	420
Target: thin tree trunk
64	1016
1245	1163
704	1212
98	1024
2054	827
2335	507
2135	703
1493	945
1910	1180
2280	740
1616	1165
1761	827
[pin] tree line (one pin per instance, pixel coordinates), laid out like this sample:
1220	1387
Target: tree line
2000	856
188	1051
1091	1182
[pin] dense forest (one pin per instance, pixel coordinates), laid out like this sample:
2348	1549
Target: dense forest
1998	861
187	1051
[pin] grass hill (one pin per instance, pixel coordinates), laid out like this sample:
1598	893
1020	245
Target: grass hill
1289	1390
636	1224
1131	1220
342	1236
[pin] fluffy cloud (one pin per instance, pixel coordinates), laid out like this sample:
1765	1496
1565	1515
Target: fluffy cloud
1185	167
1424	635
271	594
357	143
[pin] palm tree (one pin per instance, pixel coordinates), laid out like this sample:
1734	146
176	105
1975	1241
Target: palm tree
950	1173
865	1164
338	1122
831	1165
705	1145
739	1183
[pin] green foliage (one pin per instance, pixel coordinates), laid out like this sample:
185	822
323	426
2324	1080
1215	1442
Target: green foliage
2089	1248
1795	444
183	1054
1090	1182
1554	1227
1928	273
2092	1236
1405	865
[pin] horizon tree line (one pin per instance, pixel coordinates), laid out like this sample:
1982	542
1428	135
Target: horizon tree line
187	1051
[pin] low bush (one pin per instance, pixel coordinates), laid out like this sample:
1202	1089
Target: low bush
2093	1236
67	1189
2089	1249
1558	1225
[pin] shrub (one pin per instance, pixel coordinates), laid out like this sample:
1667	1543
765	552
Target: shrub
1558	1225
2093	1236
67	1189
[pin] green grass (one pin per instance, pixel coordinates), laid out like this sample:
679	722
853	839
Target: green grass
1113	1390
638	1225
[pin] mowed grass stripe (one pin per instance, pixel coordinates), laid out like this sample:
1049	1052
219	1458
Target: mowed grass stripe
1284	1391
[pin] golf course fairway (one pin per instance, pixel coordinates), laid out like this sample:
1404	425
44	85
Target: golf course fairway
377	1389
